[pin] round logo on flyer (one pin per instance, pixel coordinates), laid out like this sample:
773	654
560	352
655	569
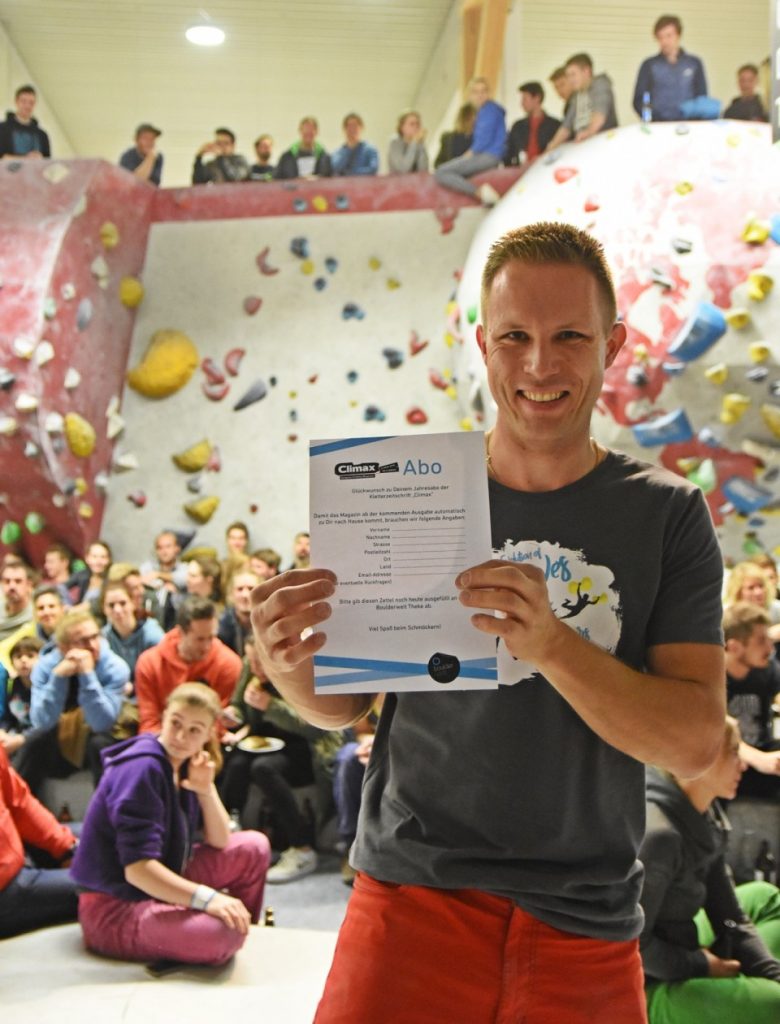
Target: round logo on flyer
443	668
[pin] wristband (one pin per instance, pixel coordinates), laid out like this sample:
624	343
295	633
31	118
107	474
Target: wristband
201	898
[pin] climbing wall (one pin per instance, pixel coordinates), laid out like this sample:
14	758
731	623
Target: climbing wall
689	216
72	244
316	322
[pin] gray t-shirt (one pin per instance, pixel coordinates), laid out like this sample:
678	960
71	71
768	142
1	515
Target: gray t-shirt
509	791
598	98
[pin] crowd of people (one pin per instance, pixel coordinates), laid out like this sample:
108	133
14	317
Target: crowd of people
671	85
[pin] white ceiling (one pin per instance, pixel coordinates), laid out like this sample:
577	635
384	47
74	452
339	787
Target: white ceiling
106	65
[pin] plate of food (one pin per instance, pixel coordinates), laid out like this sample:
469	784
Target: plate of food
261	744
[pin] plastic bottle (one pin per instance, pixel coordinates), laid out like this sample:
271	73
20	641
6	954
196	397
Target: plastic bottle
268	918
65	816
235	820
765	868
647	108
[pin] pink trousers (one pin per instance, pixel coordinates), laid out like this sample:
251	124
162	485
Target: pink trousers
151	930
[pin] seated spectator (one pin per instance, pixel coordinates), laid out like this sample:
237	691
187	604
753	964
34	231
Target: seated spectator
237	541
21	137
355	157
455	143
30	896
237	538
263	170
126	636
671	77
709	951
407	153
350	769
190	651
592	107
747	106
136	860
235	624
305	158
15	721
142	159
16	582
749	581
204	579
226	165
56	569
275	773
301	551
752	686
767	564
265	563
529	136
48	609
85	585
77	691
167	576
145	603
486	150
560	82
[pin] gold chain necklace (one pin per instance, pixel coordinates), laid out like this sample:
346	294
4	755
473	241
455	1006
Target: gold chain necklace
595	447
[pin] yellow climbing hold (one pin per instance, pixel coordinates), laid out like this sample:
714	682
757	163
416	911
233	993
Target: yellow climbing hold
718	373
733	407
759	286
193	459
307	267
80	485
759	352
203	509
755	232
320	204
466	424
393	283
451	391
640	353
449	340
80	435
375	263
109	235
168	363
683	188
85	510
737	318
131	292
733	141
771	416
688	465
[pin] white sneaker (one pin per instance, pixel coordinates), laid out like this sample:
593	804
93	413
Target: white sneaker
487	195
293	863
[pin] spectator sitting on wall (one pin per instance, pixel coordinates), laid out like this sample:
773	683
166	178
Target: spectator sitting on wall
263	170
77	692
486	151
235	624
16	581
32	897
752	686
226	165
592	108
407	152
15	721
265	563
560	82
306	158
455	143
530	135
355	157
189	652
142	159
669	78
747	106
20	134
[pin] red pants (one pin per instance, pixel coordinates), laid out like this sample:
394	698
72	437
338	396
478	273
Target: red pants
412	955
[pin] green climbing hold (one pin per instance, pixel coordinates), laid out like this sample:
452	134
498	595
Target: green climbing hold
704	476
34	522
471	314
10	532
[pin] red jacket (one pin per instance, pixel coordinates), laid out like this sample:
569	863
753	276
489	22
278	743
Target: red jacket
24	820
160	670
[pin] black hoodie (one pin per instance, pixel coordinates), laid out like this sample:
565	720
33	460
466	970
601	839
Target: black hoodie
685	870
17	139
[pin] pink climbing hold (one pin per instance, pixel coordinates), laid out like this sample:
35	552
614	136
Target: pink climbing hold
251	304
138	498
214	464
415	345
564	174
416	417
438	380
592	204
263	265
212	371
446	215
233	360
215	390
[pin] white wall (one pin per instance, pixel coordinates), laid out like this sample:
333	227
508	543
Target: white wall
13	73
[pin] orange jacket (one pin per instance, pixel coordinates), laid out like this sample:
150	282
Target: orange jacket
160	670
24	820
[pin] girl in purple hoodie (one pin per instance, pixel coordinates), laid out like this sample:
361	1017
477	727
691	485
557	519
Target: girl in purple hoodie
149	891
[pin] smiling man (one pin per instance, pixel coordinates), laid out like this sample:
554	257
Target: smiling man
496	850
21	137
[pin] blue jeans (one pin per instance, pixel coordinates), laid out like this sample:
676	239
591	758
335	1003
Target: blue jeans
347	786
37	898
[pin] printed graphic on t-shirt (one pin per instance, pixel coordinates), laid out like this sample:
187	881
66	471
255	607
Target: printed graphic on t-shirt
581	594
746	708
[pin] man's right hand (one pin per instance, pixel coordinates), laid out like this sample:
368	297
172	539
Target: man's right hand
718	968
283	608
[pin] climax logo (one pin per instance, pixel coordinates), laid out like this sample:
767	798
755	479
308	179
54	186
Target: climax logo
358	470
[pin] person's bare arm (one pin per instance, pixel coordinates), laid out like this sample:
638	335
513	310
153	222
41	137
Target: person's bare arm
159	882
562	135
146	166
671	716
765	761
282	609
597	122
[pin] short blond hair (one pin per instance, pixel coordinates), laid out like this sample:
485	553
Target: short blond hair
67	622
549	242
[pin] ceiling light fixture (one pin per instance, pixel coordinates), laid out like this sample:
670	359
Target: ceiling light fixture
205	32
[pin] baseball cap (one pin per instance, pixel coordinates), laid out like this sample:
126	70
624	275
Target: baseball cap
146	127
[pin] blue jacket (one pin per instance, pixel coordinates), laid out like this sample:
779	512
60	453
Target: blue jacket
99	693
669	84
136	813
490	130
146	634
360	159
